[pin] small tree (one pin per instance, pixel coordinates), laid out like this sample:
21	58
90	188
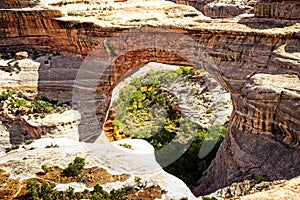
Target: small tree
33	190
75	168
99	193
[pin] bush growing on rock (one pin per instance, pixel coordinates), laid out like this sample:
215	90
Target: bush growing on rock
186	70
41	106
75	168
6	94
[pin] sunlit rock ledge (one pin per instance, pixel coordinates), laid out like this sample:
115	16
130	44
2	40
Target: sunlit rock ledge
138	161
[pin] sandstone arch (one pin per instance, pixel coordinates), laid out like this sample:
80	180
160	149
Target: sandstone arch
265	122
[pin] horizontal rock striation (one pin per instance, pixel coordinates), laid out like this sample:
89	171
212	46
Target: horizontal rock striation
220	8
259	67
278	9
15	130
266	114
18	3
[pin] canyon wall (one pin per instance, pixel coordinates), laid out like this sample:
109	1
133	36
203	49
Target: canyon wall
220	8
278	9
259	67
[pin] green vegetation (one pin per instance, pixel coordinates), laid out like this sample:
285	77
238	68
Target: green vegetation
189	166
259	178
45	168
144	111
99	193
41	106
5	95
52	146
28	142
46	191
138	179
75	168
128	146
8	149
209	198
186	70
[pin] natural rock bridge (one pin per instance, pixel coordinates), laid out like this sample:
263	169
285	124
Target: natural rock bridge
259	67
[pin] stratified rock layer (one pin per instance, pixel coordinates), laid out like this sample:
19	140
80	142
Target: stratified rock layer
252	64
278	9
220	8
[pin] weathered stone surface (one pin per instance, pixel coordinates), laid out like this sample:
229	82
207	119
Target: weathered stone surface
278	9
17	129
264	126
17	3
24	80
139	161
285	191
220	8
259	135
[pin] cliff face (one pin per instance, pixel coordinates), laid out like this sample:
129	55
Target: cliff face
17	3
278	9
259	67
220	8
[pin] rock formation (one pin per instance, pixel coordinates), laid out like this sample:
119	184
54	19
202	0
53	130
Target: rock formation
117	160
258	66
278	9
221	8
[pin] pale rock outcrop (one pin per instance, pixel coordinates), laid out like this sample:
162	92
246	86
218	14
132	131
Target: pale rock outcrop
18	129
288	190
24	80
139	161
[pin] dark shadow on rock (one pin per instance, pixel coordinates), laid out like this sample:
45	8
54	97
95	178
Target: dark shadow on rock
263	23
293	46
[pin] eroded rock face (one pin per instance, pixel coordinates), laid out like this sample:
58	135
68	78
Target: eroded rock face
139	161
221	8
278	9
15	130
251	63
24	80
288	190
259	138
18	3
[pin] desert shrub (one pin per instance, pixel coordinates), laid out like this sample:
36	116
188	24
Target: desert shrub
137	180
33	190
6	94
18	103
259	178
46	191
99	194
128	146
75	168
186	70
189	166
28	142
45	168
40	106
119	194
